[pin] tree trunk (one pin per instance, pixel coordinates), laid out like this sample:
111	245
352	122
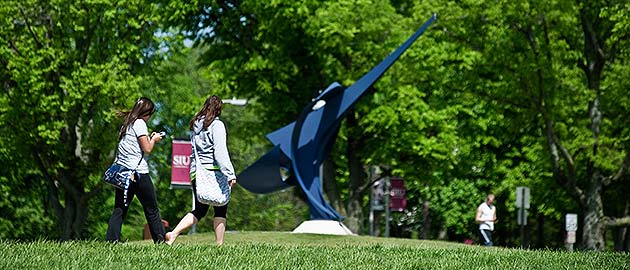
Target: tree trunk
69	215
73	218
540	230
354	206
626	241
330	186
618	238
65	196
620	234
442	233
594	227
625	232
426	220
594	60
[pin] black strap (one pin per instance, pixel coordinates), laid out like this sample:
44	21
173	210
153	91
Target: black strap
142	152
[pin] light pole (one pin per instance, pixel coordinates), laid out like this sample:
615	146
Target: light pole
236	101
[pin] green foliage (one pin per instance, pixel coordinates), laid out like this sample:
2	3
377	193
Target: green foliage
66	67
22	213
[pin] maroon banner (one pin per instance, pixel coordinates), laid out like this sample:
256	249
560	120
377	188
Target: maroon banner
180	167
398	194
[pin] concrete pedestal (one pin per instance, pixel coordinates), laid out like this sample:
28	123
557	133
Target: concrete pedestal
323	227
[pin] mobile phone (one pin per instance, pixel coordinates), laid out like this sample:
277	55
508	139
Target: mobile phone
162	133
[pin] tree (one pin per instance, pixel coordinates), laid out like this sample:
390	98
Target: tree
558	64
66	67
585	152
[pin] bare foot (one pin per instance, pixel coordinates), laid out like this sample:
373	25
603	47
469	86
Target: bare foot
170	238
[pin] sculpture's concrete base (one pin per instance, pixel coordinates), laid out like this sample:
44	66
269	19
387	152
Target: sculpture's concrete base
323	227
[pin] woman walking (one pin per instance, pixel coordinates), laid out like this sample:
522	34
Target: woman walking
209	141
134	143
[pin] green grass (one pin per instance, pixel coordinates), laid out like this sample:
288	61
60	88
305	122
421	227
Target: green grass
280	250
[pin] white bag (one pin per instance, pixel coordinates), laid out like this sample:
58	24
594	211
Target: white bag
212	186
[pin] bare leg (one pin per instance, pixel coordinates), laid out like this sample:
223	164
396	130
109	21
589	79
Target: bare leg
219	229
187	221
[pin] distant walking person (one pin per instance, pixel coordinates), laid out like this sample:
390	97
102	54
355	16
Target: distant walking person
486	216
134	143
209	136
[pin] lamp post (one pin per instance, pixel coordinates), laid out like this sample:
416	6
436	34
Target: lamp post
236	101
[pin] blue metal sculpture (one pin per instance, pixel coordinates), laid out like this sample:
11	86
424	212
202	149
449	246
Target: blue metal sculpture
301	147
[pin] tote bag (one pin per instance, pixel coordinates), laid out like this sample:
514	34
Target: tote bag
211	185
119	176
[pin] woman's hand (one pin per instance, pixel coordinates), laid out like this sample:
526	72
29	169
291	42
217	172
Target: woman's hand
232	182
156	137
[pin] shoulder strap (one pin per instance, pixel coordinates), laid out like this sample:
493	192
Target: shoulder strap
208	133
194	147
141	157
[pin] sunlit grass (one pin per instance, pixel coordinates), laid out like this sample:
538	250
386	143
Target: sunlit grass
281	250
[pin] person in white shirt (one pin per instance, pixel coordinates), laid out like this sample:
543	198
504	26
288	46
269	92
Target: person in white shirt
486	217
134	146
210	140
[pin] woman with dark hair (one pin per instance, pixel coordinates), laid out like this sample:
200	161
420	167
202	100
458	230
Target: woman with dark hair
209	139
134	143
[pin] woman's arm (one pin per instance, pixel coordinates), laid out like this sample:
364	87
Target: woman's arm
221	155
147	143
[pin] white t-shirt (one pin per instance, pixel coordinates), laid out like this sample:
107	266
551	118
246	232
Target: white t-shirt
129	151
487	213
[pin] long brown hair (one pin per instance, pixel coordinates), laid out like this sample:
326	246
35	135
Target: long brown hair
211	109
144	106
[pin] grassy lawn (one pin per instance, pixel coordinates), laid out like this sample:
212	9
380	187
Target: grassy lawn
281	250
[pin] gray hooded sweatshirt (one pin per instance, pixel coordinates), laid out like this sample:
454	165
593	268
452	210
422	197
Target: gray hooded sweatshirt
211	145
